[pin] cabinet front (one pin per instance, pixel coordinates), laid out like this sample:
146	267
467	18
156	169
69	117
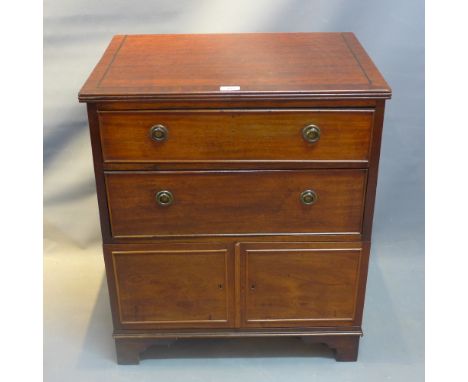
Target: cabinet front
300	284
173	286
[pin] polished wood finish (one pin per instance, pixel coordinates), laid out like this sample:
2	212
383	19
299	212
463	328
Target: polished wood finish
164	286
130	346
245	136
300	284
235	202
196	66
237	253
237	103
98	170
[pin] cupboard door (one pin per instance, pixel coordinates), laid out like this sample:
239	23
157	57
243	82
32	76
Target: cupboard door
172	285
301	284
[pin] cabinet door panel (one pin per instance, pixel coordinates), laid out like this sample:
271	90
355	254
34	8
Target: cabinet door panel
161	286
301	284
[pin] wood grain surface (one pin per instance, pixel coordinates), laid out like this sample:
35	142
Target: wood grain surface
297	284
235	202
194	66
227	135
187	286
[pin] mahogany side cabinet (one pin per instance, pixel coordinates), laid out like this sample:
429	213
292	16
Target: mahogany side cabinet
236	178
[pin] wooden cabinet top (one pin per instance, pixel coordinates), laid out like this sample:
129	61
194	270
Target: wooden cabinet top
234	66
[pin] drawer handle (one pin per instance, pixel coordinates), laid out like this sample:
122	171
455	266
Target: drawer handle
159	133
309	197
311	133
164	198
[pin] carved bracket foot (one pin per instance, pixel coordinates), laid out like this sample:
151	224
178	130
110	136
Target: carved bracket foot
346	348
129	350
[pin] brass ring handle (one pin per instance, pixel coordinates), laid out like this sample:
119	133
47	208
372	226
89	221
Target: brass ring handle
308	197
311	133
164	198
159	133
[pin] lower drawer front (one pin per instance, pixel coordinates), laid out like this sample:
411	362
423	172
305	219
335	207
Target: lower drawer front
204	203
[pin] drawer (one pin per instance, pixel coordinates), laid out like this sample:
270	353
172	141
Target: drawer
301	284
172	285
200	203
239	136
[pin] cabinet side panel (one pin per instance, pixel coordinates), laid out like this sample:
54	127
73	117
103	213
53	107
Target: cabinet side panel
98	171
373	171
362	282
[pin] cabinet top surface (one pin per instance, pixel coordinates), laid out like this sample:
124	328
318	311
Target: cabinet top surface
231	66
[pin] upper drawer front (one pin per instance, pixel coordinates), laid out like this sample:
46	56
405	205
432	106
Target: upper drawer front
202	203
240	136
